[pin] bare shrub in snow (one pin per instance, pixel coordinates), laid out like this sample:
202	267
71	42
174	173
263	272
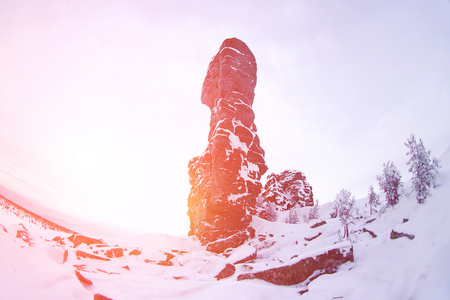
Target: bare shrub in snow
390	183
423	169
344	207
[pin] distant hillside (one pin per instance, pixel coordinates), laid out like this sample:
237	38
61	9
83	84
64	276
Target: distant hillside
31	217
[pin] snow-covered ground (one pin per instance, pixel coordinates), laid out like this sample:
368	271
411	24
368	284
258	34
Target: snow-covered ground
38	263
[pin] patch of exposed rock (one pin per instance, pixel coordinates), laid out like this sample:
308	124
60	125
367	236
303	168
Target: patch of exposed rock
225	179
396	235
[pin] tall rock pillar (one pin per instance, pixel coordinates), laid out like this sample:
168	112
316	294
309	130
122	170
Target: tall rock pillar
225	179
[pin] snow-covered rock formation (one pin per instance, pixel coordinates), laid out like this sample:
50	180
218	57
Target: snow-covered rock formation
225	179
284	191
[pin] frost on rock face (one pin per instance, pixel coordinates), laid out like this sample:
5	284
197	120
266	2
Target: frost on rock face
225	179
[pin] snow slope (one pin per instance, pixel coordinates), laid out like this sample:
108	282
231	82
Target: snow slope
33	264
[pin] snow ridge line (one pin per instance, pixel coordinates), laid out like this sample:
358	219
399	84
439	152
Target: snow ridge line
26	215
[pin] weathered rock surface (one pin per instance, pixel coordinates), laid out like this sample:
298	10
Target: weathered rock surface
225	179
306	268
284	191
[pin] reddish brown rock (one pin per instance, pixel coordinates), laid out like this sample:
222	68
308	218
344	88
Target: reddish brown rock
307	268
24	235
232	241
318	224
65	256
135	252
225	179
58	240
396	235
167	262
101	297
372	234
78	239
114	252
82	254
226	272
309	239
84	281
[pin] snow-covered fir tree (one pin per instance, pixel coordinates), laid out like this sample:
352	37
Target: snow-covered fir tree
314	211
293	216
390	183
271	211
374	200
435	165
423	168
344	206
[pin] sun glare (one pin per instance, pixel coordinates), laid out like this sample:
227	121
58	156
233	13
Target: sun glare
96	165
89	158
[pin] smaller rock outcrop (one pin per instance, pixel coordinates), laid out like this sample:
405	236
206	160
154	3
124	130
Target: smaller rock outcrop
307	268
282	192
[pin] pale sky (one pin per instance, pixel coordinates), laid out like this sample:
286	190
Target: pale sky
100	100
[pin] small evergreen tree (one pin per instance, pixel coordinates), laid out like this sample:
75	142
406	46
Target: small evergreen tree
293	216
435	165
390	183
344	205
423	169
374	200
314	211
271	212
